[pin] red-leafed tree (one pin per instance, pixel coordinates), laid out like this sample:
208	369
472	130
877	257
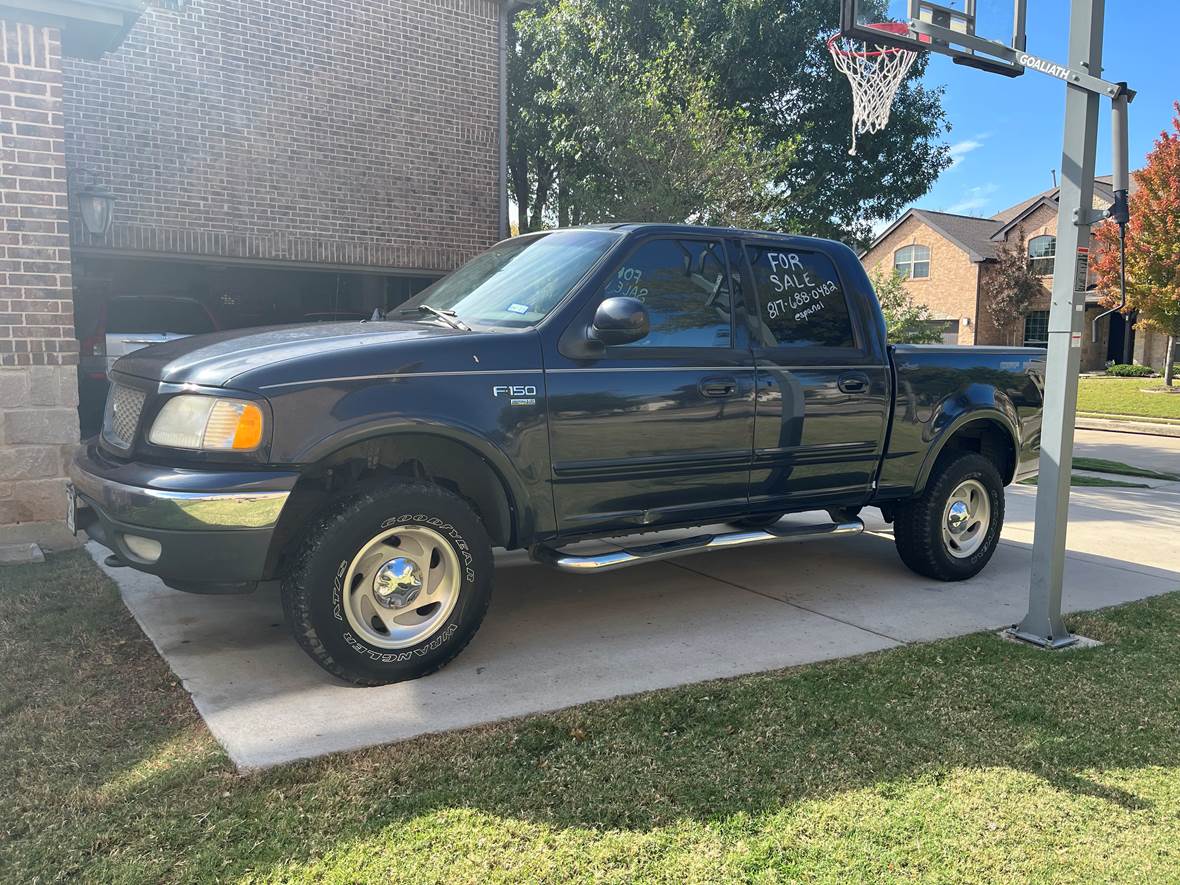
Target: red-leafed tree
1153	245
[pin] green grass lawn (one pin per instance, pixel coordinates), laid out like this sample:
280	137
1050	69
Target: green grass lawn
1118	468
1125	396
1081	479
970	760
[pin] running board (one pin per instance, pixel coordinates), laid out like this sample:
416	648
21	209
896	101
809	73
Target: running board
615	559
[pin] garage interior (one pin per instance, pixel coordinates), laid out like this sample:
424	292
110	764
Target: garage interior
122	295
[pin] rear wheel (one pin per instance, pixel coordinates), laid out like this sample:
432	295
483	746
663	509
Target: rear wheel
951	530
391	584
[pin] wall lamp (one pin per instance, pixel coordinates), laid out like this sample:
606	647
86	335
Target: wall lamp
98	207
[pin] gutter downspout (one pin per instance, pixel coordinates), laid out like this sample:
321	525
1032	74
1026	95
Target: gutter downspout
505	13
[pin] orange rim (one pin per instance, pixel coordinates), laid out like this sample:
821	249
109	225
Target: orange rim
886	27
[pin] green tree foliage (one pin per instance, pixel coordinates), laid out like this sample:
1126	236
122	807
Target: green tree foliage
725	112
1153	246
906	321
1011	285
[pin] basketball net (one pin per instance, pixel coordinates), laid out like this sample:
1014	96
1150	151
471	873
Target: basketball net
875	72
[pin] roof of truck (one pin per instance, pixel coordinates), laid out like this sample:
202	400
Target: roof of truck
696	229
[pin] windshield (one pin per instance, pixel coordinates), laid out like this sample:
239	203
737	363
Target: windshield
516	282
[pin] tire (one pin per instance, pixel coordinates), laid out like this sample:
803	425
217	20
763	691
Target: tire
959	552
751	523
353	591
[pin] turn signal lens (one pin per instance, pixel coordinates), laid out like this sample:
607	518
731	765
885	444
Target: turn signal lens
233	424
209	423
249	432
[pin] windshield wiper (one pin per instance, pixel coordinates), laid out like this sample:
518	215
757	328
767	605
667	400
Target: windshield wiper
447	316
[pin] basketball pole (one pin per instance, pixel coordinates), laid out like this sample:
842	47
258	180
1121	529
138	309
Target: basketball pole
1043	625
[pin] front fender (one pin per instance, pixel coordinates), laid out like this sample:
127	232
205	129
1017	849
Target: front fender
520	497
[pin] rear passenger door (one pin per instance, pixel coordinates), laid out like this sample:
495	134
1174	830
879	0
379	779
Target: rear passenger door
822	393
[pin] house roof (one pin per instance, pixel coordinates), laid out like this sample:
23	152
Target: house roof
1102	191
969	232
979	237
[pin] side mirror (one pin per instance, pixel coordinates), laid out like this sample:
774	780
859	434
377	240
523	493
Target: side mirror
620	321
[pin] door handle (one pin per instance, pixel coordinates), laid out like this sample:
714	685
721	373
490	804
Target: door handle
853	382
718	386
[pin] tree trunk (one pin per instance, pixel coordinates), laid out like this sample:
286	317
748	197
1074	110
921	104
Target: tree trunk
520	187
563	203
544	183
1169	360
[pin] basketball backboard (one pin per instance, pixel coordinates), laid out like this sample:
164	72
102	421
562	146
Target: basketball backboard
979	33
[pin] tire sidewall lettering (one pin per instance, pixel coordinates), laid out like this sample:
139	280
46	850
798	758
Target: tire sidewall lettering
435	642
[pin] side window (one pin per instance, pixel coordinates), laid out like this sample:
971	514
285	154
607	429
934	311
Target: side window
912	262
684	285
1042	252
801	302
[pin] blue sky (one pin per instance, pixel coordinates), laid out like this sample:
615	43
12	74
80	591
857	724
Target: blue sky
1006	134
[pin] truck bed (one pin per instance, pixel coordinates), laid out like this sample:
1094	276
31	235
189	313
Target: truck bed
941	387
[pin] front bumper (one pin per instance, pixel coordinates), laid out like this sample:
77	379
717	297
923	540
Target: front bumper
214	529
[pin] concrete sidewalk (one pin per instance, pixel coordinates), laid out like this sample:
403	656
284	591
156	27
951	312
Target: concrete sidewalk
553	640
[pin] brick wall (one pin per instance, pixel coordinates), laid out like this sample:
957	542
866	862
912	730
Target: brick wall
38	353
360	132
1043	222
949	291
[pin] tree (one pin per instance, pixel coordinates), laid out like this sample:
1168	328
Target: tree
906	321
603	131
1011	285
1153	245
738	99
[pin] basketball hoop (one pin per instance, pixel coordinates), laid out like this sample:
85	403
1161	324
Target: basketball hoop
875	72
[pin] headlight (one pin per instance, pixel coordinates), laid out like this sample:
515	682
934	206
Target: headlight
208	422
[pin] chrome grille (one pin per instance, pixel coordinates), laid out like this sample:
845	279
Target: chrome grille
121	420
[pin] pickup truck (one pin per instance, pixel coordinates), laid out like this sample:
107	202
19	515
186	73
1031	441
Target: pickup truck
586	383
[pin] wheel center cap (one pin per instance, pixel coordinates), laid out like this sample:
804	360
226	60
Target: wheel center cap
956	519
397	583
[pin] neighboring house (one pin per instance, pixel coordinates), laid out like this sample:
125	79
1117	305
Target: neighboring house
270	160
945	259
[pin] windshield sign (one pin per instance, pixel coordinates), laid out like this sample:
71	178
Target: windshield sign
516	282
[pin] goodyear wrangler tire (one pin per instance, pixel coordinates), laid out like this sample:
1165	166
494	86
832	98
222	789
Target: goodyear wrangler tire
951	530
391	584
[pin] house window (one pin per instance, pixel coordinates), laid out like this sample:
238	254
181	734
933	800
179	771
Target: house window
1041	252
1036	329
912	262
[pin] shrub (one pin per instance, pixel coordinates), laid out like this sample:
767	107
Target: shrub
1126	371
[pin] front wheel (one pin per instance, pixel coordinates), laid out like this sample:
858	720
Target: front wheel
391	584
951	530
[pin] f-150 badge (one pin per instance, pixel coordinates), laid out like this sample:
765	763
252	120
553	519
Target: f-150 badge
520	394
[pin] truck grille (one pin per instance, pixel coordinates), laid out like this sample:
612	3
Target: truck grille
121	419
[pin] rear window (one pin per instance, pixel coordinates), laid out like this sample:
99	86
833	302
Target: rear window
801	302
143	315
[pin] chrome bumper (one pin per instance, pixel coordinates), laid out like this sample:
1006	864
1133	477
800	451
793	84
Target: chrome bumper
177	510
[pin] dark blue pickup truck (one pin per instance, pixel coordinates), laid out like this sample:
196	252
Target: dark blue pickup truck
586	383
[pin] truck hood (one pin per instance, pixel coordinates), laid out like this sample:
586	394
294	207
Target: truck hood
215	360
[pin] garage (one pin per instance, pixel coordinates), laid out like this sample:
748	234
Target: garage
121	305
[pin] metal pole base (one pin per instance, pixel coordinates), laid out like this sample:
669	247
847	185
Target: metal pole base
1049	642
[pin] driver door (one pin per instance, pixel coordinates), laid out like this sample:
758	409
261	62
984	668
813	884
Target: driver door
658	431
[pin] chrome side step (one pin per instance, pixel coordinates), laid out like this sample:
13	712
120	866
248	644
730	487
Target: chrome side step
615	559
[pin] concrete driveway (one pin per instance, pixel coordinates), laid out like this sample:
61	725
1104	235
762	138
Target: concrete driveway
552	640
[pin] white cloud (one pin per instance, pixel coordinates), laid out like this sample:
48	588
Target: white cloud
960	149
974	200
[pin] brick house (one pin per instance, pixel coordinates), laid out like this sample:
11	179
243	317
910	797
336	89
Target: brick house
270	162
945	259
